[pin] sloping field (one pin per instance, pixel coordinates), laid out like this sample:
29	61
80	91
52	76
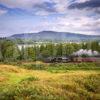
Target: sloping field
22	84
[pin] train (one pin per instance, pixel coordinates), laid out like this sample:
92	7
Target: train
67	59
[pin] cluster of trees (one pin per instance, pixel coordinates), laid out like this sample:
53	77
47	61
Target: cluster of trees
9	50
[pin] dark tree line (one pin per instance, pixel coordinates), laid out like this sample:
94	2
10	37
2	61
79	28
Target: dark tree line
9	50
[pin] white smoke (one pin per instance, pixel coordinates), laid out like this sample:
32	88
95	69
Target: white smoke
86	52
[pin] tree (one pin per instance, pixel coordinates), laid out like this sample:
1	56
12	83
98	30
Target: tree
31	53
1	58
16	53
95	46
76	46
59	50
69	49
7	48
49	47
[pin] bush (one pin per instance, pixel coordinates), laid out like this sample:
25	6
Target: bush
35	66
29	79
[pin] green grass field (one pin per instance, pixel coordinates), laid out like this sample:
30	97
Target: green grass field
39	81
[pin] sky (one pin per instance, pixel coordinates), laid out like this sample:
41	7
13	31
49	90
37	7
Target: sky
27	16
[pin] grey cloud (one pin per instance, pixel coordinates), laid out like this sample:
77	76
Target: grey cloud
87	4
46	6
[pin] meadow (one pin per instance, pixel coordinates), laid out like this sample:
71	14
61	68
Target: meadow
55	81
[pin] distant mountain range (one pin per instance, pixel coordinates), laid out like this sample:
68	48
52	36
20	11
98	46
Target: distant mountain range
55	36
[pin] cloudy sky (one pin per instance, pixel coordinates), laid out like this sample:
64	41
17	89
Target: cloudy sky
26	16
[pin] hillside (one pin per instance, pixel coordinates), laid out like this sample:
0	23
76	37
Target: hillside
54	36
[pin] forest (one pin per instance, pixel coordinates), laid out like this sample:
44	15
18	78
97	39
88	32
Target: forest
9	50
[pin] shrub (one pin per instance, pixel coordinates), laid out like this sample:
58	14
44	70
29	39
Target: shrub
35	66
29	79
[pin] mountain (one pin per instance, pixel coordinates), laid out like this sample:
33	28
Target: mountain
55	36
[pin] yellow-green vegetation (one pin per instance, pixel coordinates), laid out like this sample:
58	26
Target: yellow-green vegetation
22	84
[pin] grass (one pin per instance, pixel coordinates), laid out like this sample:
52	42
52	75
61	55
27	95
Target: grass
61	67
63	84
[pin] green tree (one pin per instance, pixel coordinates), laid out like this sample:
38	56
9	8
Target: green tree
69	49
49	47
95	46
16	53
59	50
1	58
7	48
31	53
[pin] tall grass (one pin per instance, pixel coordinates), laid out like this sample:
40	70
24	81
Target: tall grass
62	67
23	84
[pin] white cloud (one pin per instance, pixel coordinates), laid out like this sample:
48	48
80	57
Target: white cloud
80	24
42	13
75	20
23	4
61	6
2	11
81	1
30	5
